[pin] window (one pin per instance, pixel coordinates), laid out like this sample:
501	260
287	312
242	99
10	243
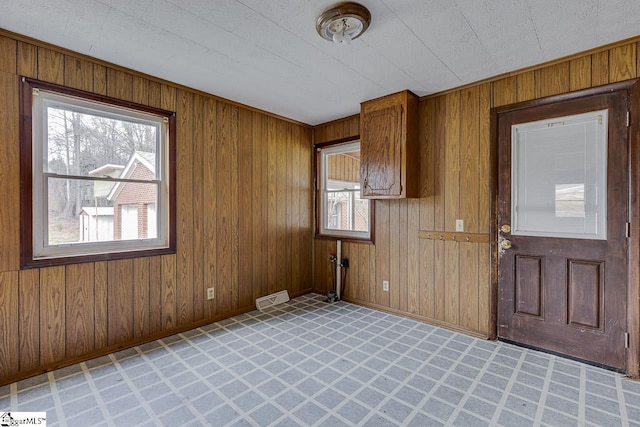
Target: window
341	211
559	177
99	174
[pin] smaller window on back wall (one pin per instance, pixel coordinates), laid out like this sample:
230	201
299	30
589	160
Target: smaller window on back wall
96	175
341	212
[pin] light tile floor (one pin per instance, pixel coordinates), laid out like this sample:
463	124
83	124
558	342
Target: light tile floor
312	363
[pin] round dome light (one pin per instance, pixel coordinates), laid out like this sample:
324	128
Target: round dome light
343	22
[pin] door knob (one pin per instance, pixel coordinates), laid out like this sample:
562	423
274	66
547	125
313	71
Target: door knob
505	244
506	228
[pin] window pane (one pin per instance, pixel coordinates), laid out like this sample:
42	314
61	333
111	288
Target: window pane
84	143
82	211
346	211
559	177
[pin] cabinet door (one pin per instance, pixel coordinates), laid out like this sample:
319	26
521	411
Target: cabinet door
381	148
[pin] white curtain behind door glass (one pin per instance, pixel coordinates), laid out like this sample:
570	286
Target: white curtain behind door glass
559	177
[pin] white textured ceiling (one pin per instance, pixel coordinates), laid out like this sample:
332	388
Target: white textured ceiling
267	54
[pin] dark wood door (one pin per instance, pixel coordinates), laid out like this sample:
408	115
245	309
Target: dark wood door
564	290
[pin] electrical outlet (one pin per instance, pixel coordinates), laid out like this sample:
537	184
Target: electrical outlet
211	293
459	225
385	285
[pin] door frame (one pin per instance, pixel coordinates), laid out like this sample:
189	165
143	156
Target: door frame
633	173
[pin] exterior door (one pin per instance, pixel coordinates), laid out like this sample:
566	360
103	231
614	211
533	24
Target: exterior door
562	226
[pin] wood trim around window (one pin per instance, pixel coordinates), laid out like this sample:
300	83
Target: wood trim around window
26	176
318	197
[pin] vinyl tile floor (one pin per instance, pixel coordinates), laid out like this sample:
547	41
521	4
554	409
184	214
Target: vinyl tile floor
311	363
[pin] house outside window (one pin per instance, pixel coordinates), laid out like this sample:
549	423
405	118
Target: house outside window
96	165
341	211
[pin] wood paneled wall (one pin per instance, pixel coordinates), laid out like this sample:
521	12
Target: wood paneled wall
342	167
244	222
448	282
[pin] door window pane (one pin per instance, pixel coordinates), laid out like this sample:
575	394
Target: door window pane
559	170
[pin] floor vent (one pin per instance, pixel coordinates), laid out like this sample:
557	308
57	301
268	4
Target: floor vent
272	299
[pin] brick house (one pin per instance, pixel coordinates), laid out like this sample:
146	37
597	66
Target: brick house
134	204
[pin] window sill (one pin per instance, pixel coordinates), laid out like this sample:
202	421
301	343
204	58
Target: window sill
348	239
77	259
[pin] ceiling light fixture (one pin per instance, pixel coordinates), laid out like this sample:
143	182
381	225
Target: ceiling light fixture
343	22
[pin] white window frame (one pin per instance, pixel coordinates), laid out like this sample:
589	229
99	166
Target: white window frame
324	230
42	99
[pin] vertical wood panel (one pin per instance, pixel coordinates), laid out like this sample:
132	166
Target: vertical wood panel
168	291
27	60
80	303
8	55
440	281
258	199
504	91
140	93
394	254
525	86
469	156
29	318
426	209
224	287
184	206
80	300
272	207
119	84
436	293
552	80
78	73
120	301
290	198
100	79
383	257
50	66
155	94
233	204
9	174
210	201
9	363
155	294
622	63
100	305
600	68
484	175
403	253
142	306
452	162
469	292
306	206
452	280
580	73
364	273
52	314
245	208
297	187
281	205
484	287
198	166
168	99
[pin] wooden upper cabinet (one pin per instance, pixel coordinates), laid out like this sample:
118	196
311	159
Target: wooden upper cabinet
389	165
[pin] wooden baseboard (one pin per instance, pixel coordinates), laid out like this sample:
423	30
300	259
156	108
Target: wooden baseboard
117	347
424	319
